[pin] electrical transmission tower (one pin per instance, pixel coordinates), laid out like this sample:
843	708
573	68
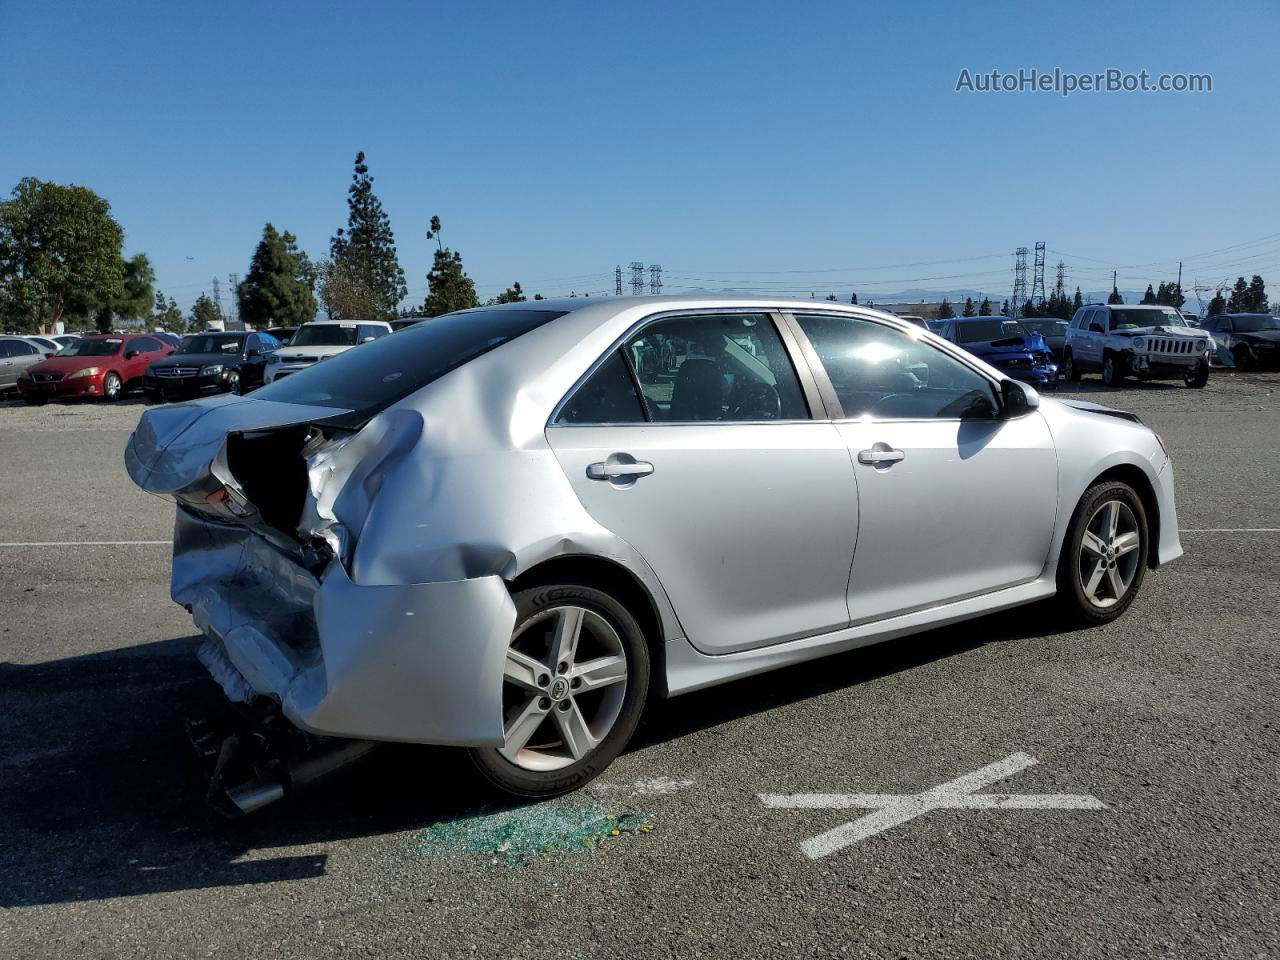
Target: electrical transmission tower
233	296
655	278
1060	283
1019	281
1037	282
217	296
637	278
617	280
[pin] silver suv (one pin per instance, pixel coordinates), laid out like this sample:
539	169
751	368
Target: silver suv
1149	342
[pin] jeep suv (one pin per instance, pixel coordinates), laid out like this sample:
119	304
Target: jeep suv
1149	342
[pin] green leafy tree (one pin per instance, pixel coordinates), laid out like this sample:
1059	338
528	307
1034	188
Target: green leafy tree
513	294
133	301
1239	300
277	289
944	310
1150	296
366	249
343	292
59	254
1217	305
204	312
1115	295
448	286
1004	310
831	297
1257	295
166	315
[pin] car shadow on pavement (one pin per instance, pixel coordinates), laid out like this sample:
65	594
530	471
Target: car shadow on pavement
101	795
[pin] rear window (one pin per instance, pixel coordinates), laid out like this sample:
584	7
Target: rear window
387	370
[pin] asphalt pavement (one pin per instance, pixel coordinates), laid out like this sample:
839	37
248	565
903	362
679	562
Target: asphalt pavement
1136	765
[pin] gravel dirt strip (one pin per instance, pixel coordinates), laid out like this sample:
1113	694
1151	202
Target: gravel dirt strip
695	842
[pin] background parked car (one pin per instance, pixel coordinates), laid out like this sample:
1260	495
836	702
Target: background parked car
320	340
45	345
1052	329
1146	341
172	339
283	334
16	355
210	363
1005	344
98	366
1246	341
63	339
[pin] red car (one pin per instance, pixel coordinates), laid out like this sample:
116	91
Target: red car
99	366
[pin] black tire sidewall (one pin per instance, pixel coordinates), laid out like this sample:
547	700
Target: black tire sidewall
1071	594
1073	370
532	784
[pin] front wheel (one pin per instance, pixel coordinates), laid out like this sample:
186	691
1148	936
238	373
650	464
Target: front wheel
233	382
1104	556
1242	358
575	682
1112	370
1197	376
1069	369
112	387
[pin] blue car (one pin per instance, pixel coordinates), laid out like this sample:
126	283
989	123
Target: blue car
1005	344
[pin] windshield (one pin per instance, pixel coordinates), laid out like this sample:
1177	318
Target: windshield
1122	319
91	348
324	335
1047	328
390	368
979	331
210	344
1253	322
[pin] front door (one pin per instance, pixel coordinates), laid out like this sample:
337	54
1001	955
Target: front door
744	507
953	501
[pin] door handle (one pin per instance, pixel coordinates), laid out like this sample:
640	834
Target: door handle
880	457
607	470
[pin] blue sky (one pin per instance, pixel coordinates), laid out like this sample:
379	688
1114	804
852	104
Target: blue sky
720	140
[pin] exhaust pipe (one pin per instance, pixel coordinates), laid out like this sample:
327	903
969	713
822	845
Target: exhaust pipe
265	789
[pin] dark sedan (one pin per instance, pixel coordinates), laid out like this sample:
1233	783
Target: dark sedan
1246	341
210	363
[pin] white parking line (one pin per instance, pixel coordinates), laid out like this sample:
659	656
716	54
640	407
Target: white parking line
88	543
1232	530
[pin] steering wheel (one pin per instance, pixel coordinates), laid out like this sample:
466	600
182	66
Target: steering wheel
754	400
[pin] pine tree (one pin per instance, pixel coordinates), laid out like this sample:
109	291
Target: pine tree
944	310
1076	302
1149	297
831	297
1004	310
853	299
1239	300
448	286
366	250
984	308
513	294
969	309
1257	295
1217	305
277	289
1115	295
204	313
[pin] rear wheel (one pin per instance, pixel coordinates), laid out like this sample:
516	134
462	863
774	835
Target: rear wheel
1069	369
1104	556
1112	370
112	387
574	685
1197	376
1242	357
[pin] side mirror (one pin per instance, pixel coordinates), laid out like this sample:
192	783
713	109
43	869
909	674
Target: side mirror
367	339
1017	399
130	354
1096	328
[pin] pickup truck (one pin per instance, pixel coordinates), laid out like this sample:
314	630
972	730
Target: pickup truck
1149	342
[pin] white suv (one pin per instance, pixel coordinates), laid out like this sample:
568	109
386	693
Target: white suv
320	340
1140	340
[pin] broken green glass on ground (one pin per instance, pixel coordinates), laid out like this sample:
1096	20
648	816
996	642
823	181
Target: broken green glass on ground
514	836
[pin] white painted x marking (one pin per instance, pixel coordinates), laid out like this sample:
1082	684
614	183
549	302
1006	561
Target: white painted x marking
893	809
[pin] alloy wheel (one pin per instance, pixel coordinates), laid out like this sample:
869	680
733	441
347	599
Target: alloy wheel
233	383
111	387
1109	554
564	683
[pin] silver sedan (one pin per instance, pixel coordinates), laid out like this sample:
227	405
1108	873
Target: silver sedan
507	528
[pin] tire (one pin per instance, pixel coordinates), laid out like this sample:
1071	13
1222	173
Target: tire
1078	564
1069	369
112	387
1197	376
233	382
542	764
34	401
1242	358
1112	370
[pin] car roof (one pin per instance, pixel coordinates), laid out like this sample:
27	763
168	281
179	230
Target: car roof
989	316
339	323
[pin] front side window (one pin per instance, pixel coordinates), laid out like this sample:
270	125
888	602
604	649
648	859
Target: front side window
725	368
883	373
20	348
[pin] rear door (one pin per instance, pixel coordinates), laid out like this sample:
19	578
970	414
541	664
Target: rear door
954	502
744	506
16	356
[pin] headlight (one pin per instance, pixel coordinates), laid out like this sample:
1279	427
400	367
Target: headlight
273	358
1139	344
86	372
211	369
